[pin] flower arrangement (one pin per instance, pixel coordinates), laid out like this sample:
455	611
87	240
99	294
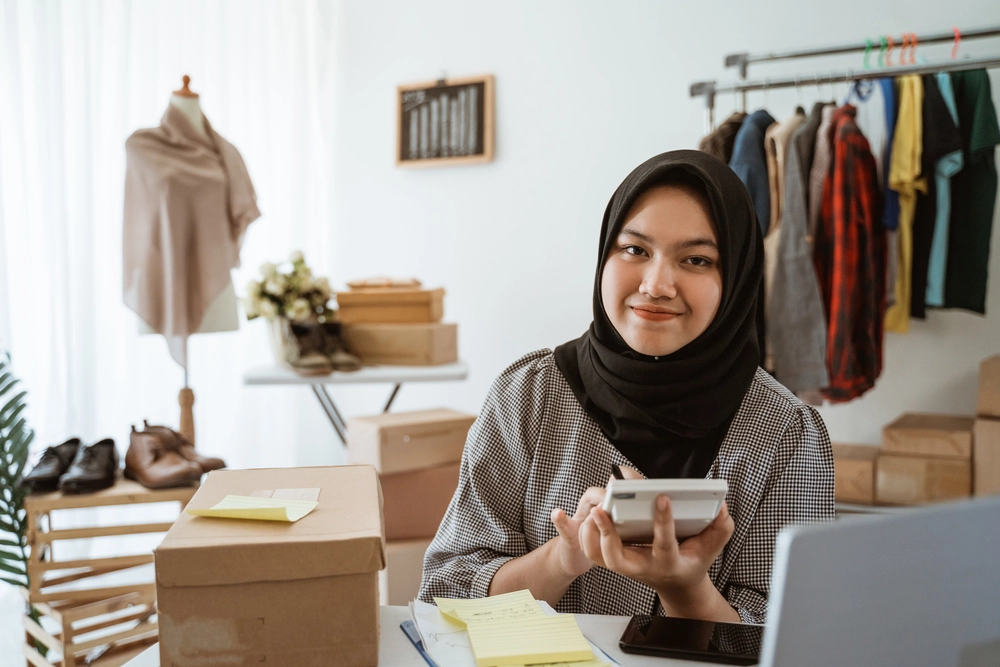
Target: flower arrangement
294	295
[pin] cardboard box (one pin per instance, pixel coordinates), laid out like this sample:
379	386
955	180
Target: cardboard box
415	501
854	473
988	404
399	582
403	344
946	436
986	457
392	306
909	480
401	441
239	592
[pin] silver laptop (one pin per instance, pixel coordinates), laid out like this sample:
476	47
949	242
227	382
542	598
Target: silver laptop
916	588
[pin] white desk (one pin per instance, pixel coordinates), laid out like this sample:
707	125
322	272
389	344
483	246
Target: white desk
394	375
396	650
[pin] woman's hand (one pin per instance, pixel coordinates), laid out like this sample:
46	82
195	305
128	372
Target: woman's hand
568	555
674	571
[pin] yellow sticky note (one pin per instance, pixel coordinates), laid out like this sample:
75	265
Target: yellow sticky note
506	607
526	641
259	509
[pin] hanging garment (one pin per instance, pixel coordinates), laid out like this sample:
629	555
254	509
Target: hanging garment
750	165
905	178
822	157
188	202
850	263
776	142
804	141
868	97
796	326
973	194
719	142
890	211
941	141
947	167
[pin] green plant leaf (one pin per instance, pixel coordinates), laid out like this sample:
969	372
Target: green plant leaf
10	568
14	583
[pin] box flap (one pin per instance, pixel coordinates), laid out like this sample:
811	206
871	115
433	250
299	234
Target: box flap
345	534
932	422
378	297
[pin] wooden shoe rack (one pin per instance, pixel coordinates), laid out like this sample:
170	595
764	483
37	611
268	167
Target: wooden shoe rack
89	614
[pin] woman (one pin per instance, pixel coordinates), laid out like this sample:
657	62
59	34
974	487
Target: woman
666	382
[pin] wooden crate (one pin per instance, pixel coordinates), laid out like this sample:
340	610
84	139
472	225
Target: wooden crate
125	622
45	571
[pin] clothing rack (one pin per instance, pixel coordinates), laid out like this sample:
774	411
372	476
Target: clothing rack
709	89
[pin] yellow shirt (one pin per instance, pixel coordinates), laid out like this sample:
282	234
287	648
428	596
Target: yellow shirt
905	178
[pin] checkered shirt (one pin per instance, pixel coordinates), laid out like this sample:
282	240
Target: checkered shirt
533	449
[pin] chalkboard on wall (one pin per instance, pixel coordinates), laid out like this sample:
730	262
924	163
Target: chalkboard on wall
445	122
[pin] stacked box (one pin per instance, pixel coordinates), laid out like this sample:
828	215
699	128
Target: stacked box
986	441
72	595
925	458
854	473
390	306
399	582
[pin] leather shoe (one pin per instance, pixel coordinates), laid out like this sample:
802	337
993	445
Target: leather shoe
184	447
94	468
156	464
55	461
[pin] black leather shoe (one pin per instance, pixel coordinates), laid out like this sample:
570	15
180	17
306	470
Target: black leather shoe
54	463
94	468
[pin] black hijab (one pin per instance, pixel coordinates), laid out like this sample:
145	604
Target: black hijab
668	416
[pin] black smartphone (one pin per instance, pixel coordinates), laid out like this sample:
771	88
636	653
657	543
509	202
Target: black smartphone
707	641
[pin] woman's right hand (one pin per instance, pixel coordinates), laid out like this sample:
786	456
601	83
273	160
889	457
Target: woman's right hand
568	554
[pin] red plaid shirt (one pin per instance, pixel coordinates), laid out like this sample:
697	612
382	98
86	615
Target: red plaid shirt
850	256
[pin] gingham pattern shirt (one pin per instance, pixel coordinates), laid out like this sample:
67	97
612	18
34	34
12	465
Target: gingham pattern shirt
533	449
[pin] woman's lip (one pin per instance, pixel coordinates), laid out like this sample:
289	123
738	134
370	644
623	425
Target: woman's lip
654	315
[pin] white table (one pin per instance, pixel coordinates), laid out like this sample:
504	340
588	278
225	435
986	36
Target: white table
395	375
396	650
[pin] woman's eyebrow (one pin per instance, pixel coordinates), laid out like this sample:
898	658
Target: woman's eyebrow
691	243
639	235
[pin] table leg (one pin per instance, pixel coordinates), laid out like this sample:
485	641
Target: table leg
392	396
326	402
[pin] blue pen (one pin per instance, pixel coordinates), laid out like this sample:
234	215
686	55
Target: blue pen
410	630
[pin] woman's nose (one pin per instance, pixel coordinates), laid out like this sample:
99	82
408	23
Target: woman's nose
658	281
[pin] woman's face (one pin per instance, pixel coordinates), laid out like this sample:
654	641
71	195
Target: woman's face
662	282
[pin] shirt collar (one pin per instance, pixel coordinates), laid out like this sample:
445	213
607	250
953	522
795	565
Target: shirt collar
179	127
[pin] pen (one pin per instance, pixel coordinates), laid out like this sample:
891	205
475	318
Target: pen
616	471
410	630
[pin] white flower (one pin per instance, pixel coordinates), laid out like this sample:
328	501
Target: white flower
275	286
253	289
267	269
296	257
267	308
251	306
300	310
322	285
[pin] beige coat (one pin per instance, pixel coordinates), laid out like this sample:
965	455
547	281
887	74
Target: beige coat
188	202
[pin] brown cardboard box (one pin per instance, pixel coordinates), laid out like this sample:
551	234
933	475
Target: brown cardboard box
396	306
988	404
947	436
401	441
305	593
854	473
415	501
909	480
986	457
399	582
403	344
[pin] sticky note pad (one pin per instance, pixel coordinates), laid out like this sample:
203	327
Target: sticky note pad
526	641
259	509
506	607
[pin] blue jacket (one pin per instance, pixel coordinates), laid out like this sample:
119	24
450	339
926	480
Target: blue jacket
750	164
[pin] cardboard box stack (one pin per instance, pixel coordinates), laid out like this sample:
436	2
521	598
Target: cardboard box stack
854	473
397	323
417	455
924	458
986	439
304	593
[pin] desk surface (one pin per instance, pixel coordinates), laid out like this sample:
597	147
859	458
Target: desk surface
396	650
277	375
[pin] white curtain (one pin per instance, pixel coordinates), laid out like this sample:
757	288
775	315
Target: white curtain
76	79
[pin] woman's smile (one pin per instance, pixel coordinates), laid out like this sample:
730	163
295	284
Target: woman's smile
654	314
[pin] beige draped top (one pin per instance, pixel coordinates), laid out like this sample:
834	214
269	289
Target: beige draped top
188	202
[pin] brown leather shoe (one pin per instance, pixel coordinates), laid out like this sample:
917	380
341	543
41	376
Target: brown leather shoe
184	447
156	466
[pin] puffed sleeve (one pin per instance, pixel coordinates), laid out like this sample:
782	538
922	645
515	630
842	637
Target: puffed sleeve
799	490
483	526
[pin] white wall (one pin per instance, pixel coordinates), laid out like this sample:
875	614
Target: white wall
585	91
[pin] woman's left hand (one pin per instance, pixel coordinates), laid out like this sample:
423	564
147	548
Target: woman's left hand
669	568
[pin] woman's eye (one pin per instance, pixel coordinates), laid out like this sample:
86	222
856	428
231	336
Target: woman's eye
634	250
700	261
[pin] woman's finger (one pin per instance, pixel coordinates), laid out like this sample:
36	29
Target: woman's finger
591	498
590	541
717	534
611	543
664	533
564	527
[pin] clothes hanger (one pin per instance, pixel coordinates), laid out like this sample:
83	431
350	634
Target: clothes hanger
958	40
185	91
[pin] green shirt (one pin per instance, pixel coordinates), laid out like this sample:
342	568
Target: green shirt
973	193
